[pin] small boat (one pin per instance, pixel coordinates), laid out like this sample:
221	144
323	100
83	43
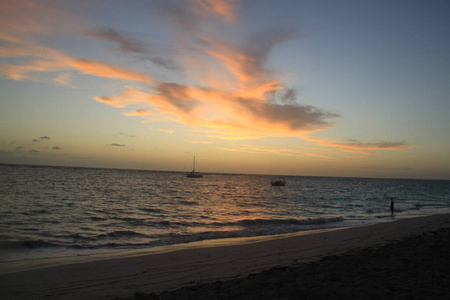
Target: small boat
193	174
278	182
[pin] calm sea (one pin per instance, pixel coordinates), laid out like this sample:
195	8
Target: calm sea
59	211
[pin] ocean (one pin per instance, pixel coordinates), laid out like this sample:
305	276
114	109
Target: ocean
65	211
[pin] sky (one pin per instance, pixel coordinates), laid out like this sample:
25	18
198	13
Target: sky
353	88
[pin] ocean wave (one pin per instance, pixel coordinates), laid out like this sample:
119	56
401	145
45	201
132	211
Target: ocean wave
253	228
26	244
187	202
152	210
121	234
247	222
268	222
97	219
125	239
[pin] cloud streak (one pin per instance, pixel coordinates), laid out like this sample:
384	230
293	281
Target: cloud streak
129	45
126	44
360	147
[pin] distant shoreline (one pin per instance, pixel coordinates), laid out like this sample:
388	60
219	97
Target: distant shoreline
216	173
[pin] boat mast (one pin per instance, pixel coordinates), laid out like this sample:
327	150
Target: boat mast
193	166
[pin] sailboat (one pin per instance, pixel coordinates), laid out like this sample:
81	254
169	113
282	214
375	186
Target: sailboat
193	174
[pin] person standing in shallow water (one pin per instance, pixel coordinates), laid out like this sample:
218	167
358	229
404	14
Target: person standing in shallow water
392	206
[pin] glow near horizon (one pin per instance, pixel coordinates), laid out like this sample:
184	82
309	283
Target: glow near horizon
328	88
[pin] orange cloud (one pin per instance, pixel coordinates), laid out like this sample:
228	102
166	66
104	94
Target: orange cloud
200	142
129	96
253	149
110	101
222	8
49	60
165	130
101	69
229	116
317	155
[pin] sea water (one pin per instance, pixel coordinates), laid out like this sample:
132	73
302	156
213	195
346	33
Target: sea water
62	211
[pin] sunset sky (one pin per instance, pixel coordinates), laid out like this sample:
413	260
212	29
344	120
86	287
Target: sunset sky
323	88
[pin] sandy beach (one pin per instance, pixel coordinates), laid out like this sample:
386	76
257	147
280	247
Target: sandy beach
404	259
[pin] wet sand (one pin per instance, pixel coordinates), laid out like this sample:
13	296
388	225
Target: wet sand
404	259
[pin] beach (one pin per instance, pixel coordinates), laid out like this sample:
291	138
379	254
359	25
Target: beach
341	263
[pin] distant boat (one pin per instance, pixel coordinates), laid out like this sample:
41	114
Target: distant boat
193	174
278	182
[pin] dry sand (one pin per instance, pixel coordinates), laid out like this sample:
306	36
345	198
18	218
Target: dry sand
374	266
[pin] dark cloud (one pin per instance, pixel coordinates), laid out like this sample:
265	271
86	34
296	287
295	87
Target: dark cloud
126	135
117	145
289	96
56	148
35	141
177	95
134	46
126	44
379	145
352	145
259	45
34	151
296	117
19	148
44	137
167	63
180	15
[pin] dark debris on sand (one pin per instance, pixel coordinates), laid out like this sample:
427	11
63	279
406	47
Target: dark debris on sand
413	268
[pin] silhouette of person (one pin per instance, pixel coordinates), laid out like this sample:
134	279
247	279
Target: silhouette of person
392	206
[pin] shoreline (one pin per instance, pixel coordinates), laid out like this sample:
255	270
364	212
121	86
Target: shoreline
154	273
28	264
415	267
8	267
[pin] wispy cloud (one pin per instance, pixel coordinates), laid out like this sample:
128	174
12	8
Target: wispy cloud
126	44
351	145
126	135
117	145
40	139
129	45
200	142
63	79
253	149
55	61
138	112
107	70
21	19
222	8
165	130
